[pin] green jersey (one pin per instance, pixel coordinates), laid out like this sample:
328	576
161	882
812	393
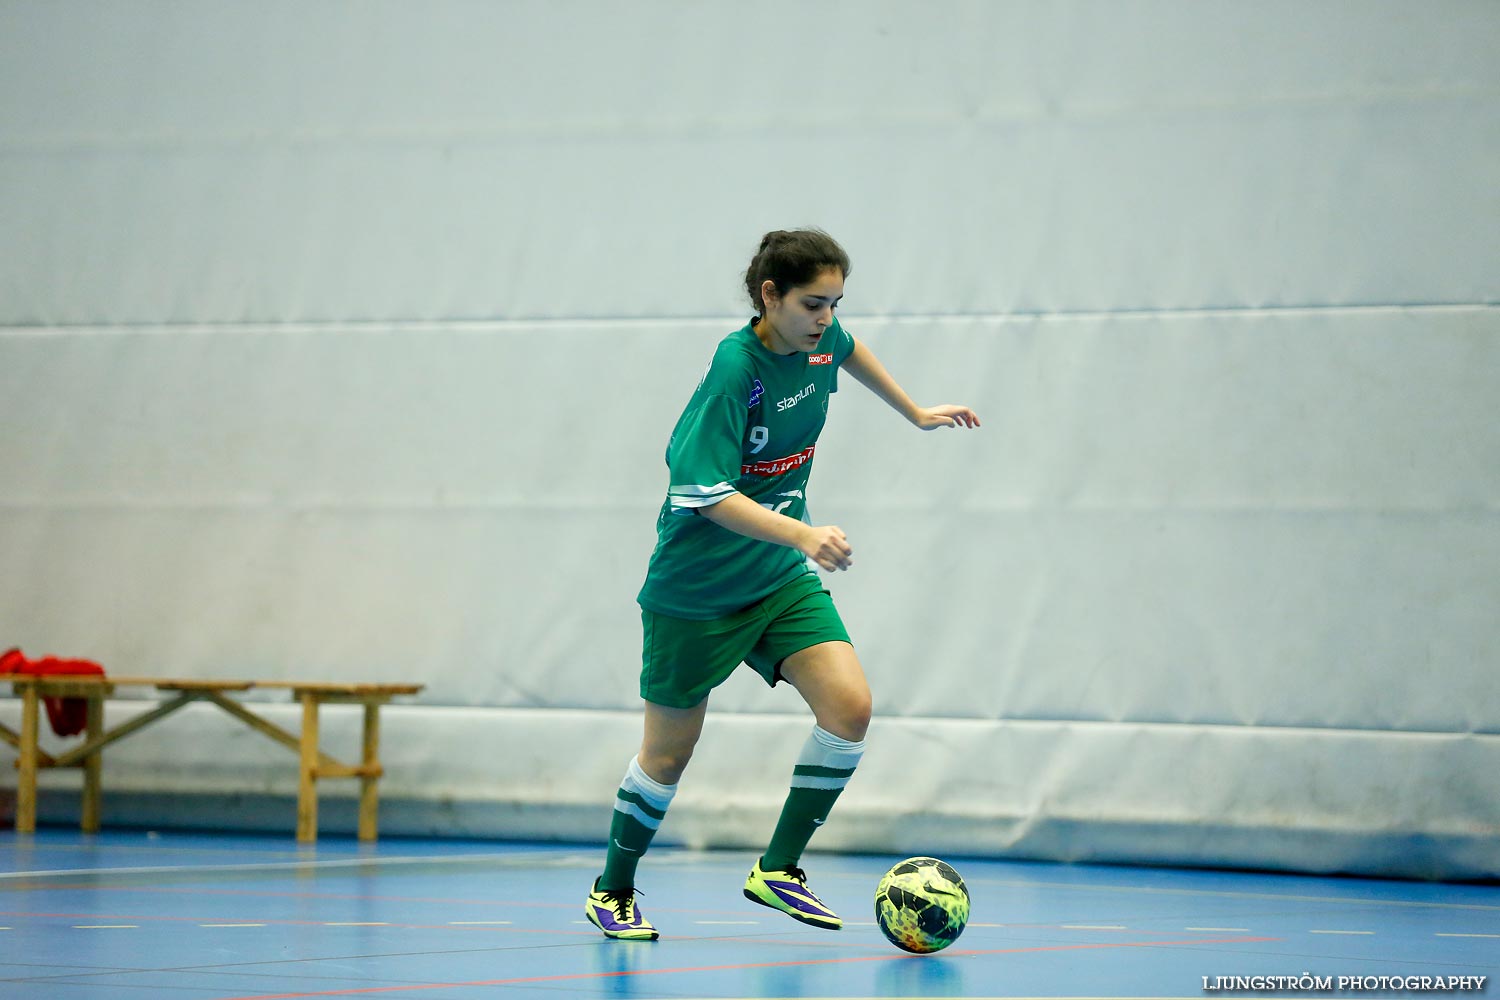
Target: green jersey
751	427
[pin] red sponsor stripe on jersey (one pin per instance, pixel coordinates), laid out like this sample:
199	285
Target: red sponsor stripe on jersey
779	466
820	359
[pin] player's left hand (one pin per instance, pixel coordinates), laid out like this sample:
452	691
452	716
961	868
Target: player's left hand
947	415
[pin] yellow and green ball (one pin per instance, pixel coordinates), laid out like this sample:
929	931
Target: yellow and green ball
922	905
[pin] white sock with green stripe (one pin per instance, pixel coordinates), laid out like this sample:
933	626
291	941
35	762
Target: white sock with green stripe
823	769
640	805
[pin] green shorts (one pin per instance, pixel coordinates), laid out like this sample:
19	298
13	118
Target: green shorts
683	660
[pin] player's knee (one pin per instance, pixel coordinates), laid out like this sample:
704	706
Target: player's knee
666	764
860	716
851	716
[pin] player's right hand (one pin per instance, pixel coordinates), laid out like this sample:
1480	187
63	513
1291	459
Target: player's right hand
827	546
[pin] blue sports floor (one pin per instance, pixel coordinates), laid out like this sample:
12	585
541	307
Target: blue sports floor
136	916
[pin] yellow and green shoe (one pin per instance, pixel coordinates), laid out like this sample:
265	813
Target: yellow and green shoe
787	891
614	912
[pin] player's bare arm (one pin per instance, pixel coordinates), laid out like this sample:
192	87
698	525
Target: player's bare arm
869	372
825	544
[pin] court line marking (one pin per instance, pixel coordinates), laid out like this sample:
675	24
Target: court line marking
106	927
231	925
489	903
1220	930
260	866
511	860
1133	930
170	919
572	977
1341	932
699	860
1435	935
1230	894
1093	927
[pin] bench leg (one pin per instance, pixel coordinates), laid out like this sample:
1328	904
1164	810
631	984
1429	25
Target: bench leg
369	788
26	766
307	789
93	766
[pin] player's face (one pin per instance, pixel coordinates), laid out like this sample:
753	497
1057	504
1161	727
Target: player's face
797	320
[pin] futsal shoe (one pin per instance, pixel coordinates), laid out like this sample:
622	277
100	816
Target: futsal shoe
787	891
614	912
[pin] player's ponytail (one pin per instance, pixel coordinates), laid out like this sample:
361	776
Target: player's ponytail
789	258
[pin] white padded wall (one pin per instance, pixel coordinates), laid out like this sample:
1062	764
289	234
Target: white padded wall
342	341
379	160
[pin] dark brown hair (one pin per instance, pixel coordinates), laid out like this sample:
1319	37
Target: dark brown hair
792	257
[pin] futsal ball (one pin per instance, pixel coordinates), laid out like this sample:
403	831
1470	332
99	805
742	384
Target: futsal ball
922	905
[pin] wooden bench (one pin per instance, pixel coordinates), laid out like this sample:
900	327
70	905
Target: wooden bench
175	693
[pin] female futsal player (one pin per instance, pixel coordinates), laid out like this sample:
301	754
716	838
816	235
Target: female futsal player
729	581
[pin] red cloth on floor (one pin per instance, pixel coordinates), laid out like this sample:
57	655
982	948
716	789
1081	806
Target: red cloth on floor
67	716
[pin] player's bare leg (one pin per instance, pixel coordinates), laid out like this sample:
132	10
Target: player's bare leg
670	736
832	682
